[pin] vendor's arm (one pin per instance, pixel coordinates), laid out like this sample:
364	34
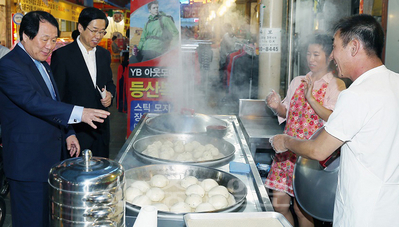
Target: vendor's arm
319	147
335	87
273	101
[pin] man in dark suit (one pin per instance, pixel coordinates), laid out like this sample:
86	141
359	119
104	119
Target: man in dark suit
81	70
34	121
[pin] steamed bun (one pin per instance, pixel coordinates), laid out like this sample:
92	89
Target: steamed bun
141	200
218	201
142	185
188	180
203	207
161	207
193	200
231	200
159	181
180	207
195	189
219	190
132	193
168	143
155	194
208	184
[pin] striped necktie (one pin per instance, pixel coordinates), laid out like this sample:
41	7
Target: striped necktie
46	78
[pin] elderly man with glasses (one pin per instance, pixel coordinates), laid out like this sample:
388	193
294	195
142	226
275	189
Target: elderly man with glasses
84	77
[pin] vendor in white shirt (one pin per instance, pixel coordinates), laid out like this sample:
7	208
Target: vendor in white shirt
365	123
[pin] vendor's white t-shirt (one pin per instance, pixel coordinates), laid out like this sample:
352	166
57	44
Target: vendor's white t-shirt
366	118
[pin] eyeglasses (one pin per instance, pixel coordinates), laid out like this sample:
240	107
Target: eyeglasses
101	33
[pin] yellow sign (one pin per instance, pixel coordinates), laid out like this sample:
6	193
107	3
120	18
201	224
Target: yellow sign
60	9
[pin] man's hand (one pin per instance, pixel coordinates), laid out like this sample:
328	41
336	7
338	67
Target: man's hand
107	100
90	115
277	143
73	145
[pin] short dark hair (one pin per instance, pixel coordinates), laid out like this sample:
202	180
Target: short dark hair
114	37
75	34
90	13
152	3
364	28
324	40
31	22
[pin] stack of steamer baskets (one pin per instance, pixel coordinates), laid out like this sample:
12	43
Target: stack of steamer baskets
183	153
87	191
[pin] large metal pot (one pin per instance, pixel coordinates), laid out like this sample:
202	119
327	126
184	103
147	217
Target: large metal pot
185	123
315	185
178	171
226	149
87	191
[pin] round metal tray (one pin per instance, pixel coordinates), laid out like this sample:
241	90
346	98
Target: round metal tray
177	172
182	123
225	148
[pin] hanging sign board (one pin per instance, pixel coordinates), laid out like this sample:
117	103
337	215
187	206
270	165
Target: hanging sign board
17	18
270	40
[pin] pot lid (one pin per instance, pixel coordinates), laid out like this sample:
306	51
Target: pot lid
86	174
186	123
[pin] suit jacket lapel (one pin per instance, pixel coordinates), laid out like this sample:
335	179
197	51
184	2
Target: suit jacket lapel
57	95
98	65
33	70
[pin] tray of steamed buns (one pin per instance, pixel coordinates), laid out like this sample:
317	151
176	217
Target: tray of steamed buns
177	189
184	148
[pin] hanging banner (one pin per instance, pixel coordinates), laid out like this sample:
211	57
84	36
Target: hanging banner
154	44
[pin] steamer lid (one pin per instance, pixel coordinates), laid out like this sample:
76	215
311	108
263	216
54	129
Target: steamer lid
86	174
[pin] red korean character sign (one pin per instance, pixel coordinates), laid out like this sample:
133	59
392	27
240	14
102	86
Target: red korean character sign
154	43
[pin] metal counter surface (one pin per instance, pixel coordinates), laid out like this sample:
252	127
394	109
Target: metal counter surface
257	199
258	123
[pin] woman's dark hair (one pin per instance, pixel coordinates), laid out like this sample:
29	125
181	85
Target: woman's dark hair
152	3
90	13
31	22
114	37
366	29
324	40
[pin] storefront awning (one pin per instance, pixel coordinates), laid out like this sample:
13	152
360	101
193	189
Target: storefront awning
121	4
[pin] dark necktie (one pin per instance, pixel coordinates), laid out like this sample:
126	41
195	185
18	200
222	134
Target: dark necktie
46	78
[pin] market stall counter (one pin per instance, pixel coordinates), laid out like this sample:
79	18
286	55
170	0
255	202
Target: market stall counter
259	124
256	198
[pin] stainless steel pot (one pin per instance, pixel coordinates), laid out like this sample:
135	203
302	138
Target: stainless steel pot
315	185
226	149
188	123
87	191
178	171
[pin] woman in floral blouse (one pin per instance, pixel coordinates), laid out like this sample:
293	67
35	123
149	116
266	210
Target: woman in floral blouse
309	102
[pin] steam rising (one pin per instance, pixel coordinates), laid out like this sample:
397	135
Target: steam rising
199	86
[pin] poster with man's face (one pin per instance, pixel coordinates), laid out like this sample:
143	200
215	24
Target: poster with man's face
154	28
154	55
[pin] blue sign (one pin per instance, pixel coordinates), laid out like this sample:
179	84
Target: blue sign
17	18
138	108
